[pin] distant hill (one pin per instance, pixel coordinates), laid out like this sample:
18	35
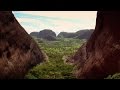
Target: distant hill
66	35
35	34
51	35
46	34
84	34
81	34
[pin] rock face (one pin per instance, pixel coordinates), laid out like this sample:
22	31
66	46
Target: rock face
18	51
100	56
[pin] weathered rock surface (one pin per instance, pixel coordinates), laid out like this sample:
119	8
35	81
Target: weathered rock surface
100	56
18	51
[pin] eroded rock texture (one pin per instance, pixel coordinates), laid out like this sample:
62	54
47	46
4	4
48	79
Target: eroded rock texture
18	51
100	56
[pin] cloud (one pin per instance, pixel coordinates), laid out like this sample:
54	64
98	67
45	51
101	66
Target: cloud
63	14
56	20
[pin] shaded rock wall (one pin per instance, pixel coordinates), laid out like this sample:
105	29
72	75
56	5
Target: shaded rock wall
18	51
100	56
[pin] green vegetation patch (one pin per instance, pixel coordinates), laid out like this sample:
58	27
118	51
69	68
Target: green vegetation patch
115	76
55	68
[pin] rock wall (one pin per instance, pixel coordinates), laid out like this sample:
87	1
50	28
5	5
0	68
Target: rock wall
18	51
100	56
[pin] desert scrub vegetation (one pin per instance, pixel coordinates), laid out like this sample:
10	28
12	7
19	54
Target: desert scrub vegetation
55	68
114	76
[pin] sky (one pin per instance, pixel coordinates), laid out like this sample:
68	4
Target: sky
58	21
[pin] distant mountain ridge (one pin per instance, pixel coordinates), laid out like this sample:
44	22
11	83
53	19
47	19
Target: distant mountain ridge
35	34
66	35
49	34
84	34
81	34
46	34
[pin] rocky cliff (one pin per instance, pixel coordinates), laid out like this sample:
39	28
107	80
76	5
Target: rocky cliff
100	56
18	51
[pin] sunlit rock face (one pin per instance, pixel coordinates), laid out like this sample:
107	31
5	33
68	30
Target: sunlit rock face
18	51
100	56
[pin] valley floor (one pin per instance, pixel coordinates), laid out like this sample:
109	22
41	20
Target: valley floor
55	67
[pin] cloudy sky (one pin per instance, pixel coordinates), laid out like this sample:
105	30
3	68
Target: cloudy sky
68	21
